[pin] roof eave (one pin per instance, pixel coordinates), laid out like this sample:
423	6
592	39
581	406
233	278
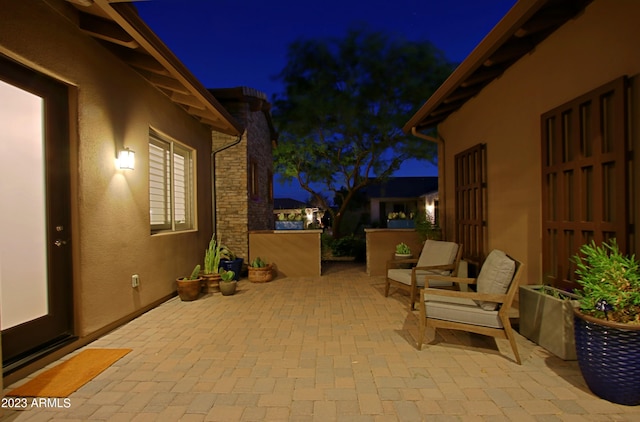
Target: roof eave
486	62
184	88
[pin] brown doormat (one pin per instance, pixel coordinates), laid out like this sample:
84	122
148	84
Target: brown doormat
67	377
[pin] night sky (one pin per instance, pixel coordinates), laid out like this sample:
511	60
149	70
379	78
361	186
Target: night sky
229	43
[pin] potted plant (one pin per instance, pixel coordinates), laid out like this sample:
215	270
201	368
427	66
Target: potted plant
291	221
211	272
230	262
228	283
607	322
403	251
260	271
400	220
546	318
189	287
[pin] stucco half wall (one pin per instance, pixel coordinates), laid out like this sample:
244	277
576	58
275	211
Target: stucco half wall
112	107
597	47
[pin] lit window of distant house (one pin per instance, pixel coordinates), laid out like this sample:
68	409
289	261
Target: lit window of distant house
171	184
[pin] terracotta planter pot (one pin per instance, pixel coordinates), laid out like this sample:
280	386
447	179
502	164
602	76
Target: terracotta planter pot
210	283
609	358
189	290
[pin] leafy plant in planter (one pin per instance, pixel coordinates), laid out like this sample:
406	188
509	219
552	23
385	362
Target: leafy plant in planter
291	221
211	272
403	249
230	262
212	256
607	323
400	220
189	287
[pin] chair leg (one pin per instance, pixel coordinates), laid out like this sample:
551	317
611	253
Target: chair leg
512	339
422	324
412	294
386	288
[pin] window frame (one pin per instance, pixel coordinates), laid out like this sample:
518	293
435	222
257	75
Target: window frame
254	180
270	187
174	190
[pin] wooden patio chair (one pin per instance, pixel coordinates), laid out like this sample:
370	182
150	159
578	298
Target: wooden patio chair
483	312
437	258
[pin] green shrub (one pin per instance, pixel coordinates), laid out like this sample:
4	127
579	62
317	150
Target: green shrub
610	283
349	246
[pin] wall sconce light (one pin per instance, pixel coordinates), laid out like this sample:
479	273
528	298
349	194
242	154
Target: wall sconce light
126	159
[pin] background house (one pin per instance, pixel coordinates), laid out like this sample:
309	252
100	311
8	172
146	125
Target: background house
288	206
81	81
406	194
536	130
244	169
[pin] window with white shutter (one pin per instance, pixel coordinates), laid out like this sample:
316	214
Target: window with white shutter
171	181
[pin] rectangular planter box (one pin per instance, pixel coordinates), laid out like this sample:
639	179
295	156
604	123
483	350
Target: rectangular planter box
400	224
548	320
289	225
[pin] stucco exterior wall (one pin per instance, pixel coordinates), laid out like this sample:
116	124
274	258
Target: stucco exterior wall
597	47
113	107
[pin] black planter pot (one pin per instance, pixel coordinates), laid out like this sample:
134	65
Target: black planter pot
609	358
234	265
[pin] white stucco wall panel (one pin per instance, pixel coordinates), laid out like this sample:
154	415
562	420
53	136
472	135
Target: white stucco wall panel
597	47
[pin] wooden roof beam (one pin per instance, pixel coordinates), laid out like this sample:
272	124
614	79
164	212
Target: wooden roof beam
165	82
461	94
106	30
187	100
482	76
510	51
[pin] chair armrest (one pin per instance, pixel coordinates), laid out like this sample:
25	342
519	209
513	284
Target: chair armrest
467	295
455	280
394	263
450	267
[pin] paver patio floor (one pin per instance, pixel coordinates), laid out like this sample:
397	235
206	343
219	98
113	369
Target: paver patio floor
320	349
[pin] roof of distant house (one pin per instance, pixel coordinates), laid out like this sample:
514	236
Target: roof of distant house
287	204
402	187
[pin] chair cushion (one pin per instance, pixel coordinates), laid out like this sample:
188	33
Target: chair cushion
495	276
404	276
437	252
463	310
